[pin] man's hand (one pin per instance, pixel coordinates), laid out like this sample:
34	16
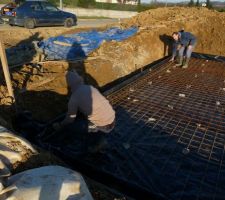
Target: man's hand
172	59
190	46
56	126
178	47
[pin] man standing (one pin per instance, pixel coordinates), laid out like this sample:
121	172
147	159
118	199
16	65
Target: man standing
184	43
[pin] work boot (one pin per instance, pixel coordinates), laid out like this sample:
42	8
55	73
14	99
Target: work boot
185	65
180	62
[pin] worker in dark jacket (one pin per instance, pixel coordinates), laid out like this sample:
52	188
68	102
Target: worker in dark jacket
184	42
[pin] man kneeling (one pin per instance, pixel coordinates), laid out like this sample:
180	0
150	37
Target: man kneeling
99	114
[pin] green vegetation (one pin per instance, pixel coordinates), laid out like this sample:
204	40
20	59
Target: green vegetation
106	6
5	1
197	3
208	4
191	3
122	7
11	1
97	5
86	3
221	10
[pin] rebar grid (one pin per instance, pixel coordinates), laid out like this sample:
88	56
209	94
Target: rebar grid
202	107
169	137
170	131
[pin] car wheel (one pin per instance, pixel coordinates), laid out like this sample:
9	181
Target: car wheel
69	23
29	23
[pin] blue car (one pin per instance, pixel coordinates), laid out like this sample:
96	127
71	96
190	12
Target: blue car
32	14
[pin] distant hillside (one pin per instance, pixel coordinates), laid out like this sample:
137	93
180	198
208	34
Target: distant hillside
218	4
170	3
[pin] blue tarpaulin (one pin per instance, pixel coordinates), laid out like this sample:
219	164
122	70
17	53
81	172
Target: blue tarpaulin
79	45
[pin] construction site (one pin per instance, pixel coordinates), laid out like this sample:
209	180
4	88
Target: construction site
169	136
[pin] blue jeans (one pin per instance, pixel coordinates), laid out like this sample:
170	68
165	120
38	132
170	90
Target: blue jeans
82	128
184	50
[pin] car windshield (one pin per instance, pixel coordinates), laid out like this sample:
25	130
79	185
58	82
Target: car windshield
48	7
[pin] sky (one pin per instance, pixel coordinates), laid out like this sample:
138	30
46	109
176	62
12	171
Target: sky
148	1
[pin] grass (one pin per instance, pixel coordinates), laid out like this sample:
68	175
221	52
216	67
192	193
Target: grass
221	9
105	6
4	1
98	5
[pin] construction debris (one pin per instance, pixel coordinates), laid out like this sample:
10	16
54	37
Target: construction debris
170	107
151	119
182	95
188	86
131	90
217	103
186	151
135	100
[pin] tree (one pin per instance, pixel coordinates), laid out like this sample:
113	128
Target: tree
197	3
85	3
122	1
139	2
208	4
191	3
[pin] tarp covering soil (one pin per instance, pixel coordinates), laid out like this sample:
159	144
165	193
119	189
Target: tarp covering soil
79	45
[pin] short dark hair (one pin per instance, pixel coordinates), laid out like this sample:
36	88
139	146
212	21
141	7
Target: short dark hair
175	33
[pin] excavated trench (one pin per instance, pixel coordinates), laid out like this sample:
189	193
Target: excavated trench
169	138
168	142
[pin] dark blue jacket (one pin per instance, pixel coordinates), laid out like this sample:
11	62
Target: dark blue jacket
185	39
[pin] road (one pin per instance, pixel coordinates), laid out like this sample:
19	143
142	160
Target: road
82	23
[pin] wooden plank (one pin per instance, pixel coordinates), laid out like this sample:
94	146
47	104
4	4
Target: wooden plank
6	70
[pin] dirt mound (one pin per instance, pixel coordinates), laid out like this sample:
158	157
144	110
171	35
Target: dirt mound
207	25
154	39
14	36
175	15
113	60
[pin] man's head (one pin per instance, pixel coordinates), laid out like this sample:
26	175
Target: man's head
74	80
175	36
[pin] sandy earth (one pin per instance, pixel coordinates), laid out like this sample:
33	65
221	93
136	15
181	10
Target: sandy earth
43	90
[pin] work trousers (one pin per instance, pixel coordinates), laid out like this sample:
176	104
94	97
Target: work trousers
185	51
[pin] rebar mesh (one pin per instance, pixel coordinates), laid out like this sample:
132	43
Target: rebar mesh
169	137
170	132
